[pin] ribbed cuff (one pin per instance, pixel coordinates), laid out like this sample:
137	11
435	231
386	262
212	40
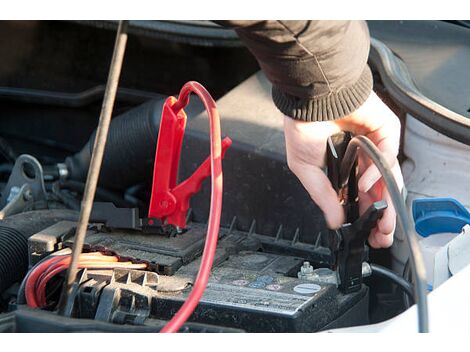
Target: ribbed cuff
328	107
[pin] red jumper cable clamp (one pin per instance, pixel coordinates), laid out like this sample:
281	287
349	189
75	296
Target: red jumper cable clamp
169	202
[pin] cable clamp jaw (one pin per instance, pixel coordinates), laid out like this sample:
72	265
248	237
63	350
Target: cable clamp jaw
169	202
349	241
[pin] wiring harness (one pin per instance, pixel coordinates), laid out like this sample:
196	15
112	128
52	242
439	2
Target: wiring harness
38	278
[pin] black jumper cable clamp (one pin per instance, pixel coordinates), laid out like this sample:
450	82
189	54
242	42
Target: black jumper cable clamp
169	202
349	241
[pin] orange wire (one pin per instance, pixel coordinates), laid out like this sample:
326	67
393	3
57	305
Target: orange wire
35	290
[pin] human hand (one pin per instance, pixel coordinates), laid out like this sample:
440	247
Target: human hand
306	157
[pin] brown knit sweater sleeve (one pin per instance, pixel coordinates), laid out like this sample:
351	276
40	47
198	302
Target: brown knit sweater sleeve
318	69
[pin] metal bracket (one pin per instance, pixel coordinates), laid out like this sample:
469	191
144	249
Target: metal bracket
24	188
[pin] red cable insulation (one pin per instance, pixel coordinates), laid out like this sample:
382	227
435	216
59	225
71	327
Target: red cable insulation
44	272
35	288
95	256
183	314
41	290
30	287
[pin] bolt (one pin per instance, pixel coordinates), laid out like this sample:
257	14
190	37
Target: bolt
366	269
306	270
27	195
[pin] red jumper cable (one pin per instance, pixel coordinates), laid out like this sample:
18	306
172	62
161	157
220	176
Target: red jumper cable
170	202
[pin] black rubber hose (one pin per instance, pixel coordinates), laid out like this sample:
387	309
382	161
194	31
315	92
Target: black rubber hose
13	256
14	233
394	277
129	152
407	276
130	147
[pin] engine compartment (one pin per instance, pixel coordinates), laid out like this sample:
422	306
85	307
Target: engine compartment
273	270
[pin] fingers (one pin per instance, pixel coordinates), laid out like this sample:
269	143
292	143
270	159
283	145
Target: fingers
378	123
372	174
305	151
378	240
382	235
373	115
306	141
368	178
389	149
319	187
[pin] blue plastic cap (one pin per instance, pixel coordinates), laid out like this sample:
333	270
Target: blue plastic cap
438	215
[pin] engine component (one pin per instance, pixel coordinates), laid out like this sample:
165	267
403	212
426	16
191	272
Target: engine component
325	275
250	287
306	271
131	142
13	256
25	188
443	228
38	278
381	271
14	233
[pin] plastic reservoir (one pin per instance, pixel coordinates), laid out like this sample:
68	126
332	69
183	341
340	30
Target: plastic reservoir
436	166
430	246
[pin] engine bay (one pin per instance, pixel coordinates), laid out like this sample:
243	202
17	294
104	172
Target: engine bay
276	266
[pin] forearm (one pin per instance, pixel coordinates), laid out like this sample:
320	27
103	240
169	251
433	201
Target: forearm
318	69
